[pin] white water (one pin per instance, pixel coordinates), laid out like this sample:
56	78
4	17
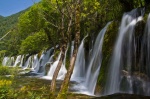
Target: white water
22	60
72	48
35	64
5	60
8	61
53	66
78	74
88	85
125	37
44	59
17	61
27	63
63	69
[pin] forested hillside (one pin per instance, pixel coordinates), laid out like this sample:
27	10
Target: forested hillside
1	17
7	24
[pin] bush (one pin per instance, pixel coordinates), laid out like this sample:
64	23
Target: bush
4	70
34	43
4	88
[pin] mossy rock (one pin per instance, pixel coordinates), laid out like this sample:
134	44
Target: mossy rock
108	45
139	28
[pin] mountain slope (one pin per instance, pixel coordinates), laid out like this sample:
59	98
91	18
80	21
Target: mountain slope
7	23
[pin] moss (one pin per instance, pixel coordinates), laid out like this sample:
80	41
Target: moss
139	28
68	57
109	40
39	54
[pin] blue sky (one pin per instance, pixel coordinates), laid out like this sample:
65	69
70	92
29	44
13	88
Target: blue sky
9	7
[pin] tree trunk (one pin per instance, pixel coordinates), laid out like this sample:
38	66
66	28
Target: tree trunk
65	84
53	83
62	49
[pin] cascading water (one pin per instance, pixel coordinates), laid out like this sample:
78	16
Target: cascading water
45	57
8	61
95	62
22	61
63	70
27	63
88	86
17	61
72	48
79	68
53	66
120	61
35	64
5	60
12	60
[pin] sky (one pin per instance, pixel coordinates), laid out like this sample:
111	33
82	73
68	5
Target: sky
9	7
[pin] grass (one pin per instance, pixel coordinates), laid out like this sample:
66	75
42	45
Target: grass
16	86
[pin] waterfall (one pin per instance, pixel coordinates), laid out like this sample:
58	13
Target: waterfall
35	64
88	85
95	62
53	66
79	68
63	70
122	57
72	48
4	62
22	61
8	61
44	59
27	63
17	61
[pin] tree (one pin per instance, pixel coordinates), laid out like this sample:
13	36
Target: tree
34	43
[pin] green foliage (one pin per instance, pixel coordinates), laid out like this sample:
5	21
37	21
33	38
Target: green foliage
4	88
2	54
11	42
34	43
5	70
29	22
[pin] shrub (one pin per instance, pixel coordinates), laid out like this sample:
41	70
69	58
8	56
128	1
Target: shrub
4	70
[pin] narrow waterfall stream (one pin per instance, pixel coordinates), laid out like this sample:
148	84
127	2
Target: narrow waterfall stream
79	68
18	60
89	78
8	61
